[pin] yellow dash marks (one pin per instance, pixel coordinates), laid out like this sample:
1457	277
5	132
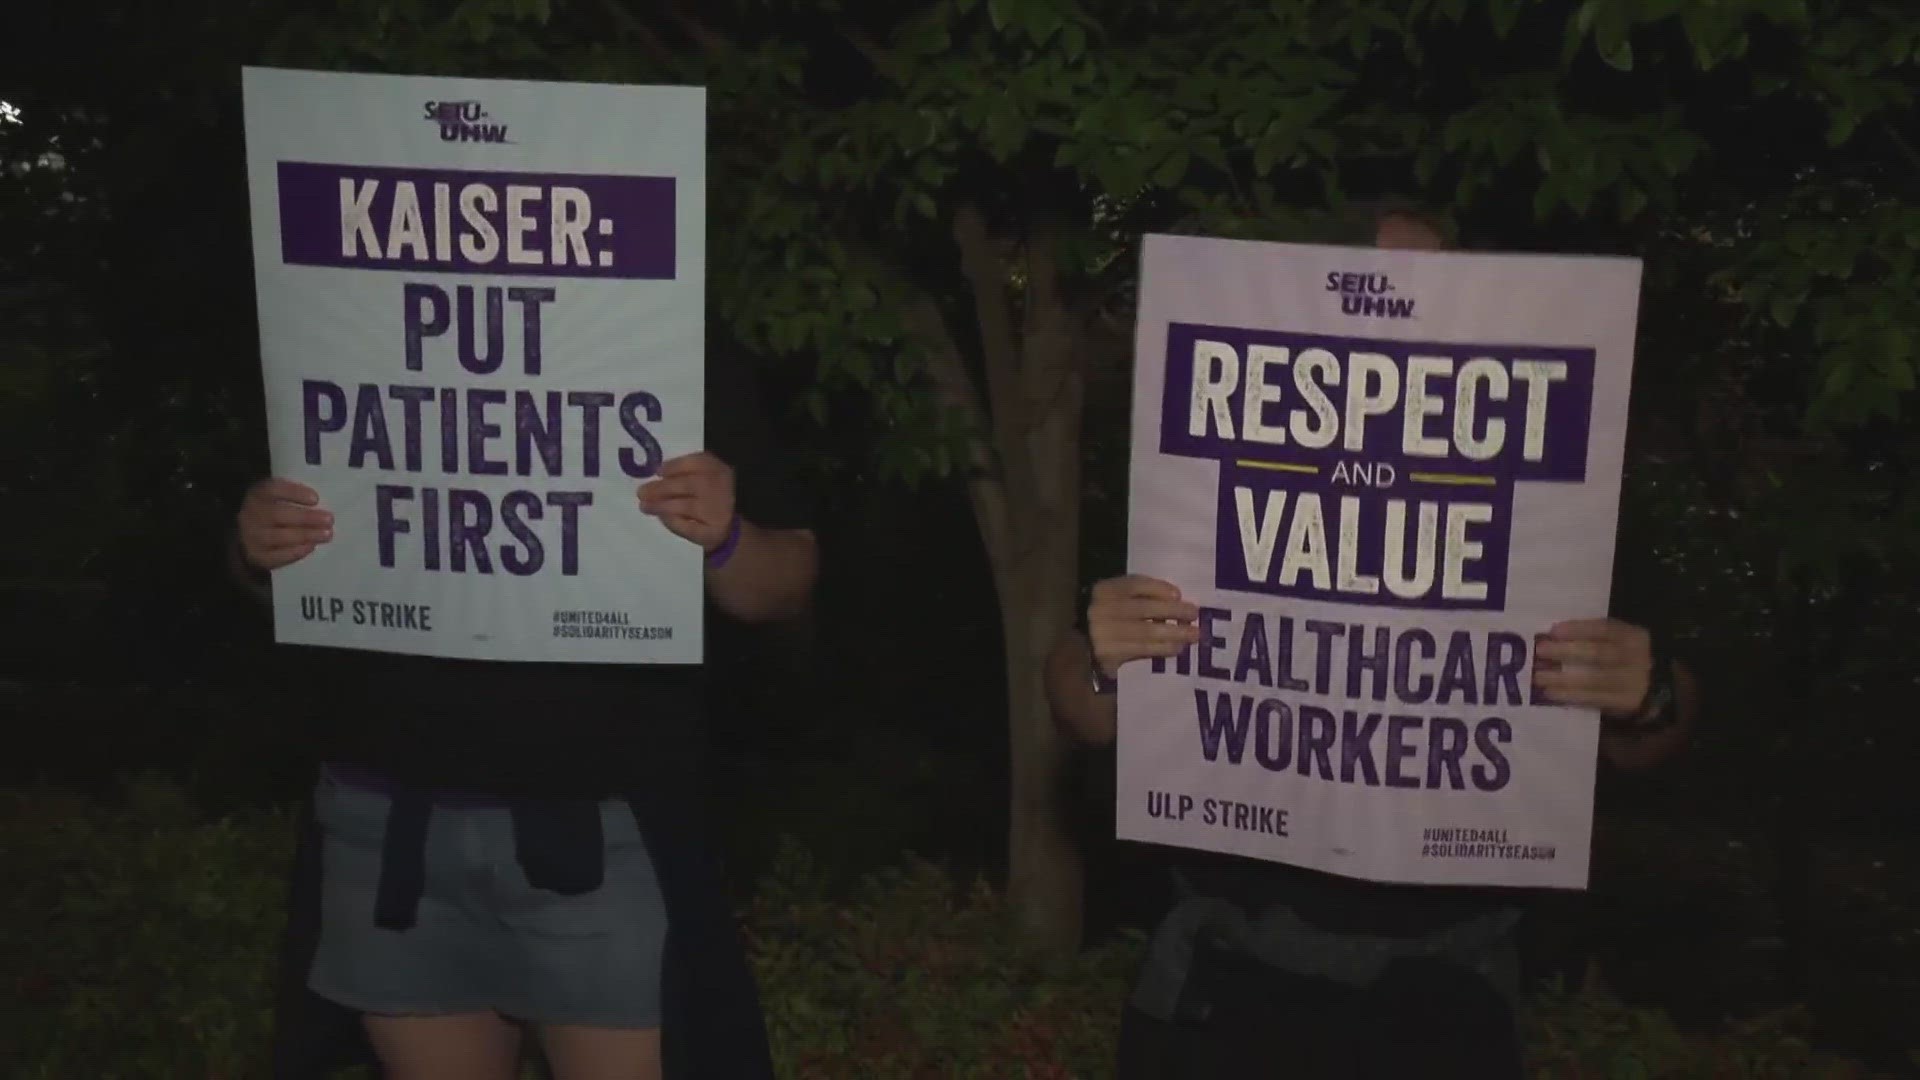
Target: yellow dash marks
1279	466
1454	479
1458	479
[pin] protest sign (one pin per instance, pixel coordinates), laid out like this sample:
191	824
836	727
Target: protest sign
1380	474
481	310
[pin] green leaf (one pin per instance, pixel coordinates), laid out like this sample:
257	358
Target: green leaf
815	402
1841	126
1043	21
1582	22
1073	41
1901	375
1620	55
1264	156
1545	198
1425	165
1839	377
1784	308
1675	150
1172	170
1612	39
1504	13
1633	200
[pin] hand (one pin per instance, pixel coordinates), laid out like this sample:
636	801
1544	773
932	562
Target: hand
1600	664
281	523
693	497
1137	618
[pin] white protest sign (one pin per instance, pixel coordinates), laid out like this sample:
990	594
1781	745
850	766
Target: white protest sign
1381	474
481	326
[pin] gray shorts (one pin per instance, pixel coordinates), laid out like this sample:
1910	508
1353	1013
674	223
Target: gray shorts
484	938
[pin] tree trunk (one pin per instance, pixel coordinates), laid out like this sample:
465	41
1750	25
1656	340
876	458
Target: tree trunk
1025	489
1045	882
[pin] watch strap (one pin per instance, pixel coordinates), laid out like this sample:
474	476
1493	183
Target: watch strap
1102	682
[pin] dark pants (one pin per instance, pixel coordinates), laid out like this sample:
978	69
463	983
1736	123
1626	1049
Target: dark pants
1241	1019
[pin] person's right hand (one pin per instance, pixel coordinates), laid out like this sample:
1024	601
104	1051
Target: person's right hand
1137	618
281	523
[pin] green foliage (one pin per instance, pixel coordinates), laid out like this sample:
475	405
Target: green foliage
847	139
53	215
137	941
1092	125
1589	1033
915	975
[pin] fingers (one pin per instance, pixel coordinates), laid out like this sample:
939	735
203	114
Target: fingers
267	539
667	489
691	465
286	516
1143	610
288	491
1577	652
1135	586
1160	639
1137	617
682	524
1582	679
278	525
1606	689
683	514
696	485
1596	630
1145	641
275	558
693	508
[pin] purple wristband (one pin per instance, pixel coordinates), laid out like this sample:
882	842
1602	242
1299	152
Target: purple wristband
718	557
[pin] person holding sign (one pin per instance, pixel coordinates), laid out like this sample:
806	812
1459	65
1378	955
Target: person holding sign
1263	968
500	845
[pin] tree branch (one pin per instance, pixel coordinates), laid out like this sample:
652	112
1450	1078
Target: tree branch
631	24
986	276
1109	347
702	34
1901	144
875	53
1053	384
954	389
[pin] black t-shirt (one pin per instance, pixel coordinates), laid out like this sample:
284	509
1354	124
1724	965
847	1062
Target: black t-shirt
1330	901
544	729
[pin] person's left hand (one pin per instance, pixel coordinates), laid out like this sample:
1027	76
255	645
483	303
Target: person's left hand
693	496
1600	664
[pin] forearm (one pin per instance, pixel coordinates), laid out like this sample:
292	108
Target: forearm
257	583
1627	751
1090	717
769	575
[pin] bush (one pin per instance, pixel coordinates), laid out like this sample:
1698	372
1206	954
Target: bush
138	942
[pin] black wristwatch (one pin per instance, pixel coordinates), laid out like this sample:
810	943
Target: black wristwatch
1103	683
1661	710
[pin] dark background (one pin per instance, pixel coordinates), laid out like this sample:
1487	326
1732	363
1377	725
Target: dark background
1774	865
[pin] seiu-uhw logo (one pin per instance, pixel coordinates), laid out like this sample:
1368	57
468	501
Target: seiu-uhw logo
465	121
1369	296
